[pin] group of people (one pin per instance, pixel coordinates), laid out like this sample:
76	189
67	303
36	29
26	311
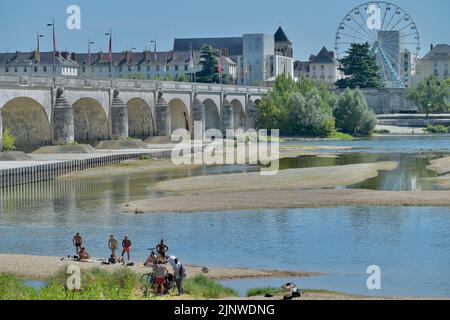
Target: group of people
156	261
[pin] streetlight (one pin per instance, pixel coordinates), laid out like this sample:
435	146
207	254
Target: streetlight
89	56
54	45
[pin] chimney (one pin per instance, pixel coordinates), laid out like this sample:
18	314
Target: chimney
431	47
73	56
127	56
100	55
146	55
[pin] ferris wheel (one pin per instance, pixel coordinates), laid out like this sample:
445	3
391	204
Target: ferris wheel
392	35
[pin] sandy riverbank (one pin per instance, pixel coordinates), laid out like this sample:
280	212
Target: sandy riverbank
287	199
305	178
41	267
442	167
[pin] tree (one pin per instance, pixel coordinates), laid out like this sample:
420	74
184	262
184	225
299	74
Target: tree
209	61
310	116
353	115
183	78
360	68
430	95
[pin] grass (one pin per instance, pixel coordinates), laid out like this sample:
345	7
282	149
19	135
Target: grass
439	129
263	291
98	284
341	136
201	286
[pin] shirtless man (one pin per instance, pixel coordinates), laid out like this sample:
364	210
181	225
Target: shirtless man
113	244
77	242
162	248
126	247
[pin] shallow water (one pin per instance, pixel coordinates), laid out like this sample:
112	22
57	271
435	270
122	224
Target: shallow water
411	245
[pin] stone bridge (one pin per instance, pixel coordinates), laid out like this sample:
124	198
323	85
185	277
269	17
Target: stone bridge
55	111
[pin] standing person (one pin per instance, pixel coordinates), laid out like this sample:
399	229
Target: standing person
113	244
180	274
162	249
77	241
160	278
126	247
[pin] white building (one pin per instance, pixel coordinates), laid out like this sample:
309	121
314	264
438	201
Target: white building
436	62
322	67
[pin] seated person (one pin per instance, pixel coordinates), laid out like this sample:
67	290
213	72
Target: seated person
151	260
291	291
83	255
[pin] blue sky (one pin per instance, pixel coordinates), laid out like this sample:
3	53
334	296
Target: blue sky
309	24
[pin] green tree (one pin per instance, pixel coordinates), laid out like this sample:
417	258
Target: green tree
183	78
430	95
8	141
353	115
310	116
360	68
209	62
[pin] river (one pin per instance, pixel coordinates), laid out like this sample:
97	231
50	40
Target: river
410	244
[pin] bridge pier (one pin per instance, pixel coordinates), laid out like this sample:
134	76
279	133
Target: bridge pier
227	116
198	115
119	117
163	121
250	115
62	120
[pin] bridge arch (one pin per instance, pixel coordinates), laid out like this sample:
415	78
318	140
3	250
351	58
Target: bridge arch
140	119
179	115
28	122
90	121
238	114
212	115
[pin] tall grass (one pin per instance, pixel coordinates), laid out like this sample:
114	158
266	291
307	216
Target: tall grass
98	284
201	286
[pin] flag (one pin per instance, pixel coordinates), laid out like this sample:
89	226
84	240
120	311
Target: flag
54	38
220	67
110	58
37	53
191	59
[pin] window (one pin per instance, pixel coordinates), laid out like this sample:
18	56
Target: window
83	69
15	69
176	67
25	69
186	67
148	68
139	68
35	69
130	69
157	68
6	69
120	69
44	68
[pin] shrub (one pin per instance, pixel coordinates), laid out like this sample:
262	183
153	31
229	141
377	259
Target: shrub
381	131
353	115
437	129
8	141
